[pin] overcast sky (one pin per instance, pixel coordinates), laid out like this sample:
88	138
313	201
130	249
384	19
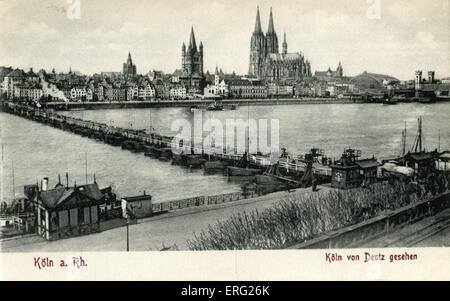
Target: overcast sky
410	35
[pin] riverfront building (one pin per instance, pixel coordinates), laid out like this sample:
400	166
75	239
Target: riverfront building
138	206
349	172
330	75
247	89
64	212
430	87
218	89
12	79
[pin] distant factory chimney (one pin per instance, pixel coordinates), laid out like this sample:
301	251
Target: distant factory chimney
431	77
44	184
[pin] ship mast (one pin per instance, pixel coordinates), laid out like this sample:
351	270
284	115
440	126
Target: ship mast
86	167
439	141
420	134
248	131
404	141
3	178
13	181
418	141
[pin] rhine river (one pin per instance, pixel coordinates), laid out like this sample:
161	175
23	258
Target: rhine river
38	151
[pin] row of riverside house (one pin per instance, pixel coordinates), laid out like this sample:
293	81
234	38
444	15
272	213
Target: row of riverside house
155	85
115	86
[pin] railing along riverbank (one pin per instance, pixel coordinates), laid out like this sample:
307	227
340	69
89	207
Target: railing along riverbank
201	201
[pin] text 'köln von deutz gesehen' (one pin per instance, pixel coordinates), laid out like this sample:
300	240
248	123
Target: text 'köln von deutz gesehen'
368	257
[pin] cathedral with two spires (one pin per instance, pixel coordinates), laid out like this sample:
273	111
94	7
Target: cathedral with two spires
265	60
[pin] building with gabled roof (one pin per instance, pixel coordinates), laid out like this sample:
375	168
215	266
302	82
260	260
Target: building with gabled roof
330	75
4	71
65	211
13	78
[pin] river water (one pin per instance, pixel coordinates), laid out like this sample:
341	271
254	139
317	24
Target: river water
38	151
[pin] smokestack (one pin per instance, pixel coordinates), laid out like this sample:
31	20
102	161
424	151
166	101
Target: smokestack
67	180
44	184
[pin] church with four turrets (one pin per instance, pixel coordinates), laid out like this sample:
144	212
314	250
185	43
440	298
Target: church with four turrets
192	65
265	60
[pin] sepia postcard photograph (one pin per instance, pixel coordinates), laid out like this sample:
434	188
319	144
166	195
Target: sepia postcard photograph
225	139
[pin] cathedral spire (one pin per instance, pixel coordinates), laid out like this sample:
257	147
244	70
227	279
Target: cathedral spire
129	58
258	22
271	27
285	46
192	43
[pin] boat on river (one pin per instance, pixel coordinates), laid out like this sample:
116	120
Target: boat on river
242	168
214	166
215	107
193	160
390	101
234	171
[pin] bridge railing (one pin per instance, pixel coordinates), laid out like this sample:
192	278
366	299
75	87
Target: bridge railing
167	141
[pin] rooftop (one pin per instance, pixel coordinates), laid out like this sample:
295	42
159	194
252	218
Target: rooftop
285	57
55	197
367	163
144	197
16	73
420	156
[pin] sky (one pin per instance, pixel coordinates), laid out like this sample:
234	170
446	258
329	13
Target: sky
409	35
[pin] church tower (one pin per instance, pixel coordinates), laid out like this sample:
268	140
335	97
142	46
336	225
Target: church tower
285	46
192	57
129	68
257	48
340	70
271	36
183	55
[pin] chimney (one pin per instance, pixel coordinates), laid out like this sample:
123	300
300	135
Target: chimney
44	184
67	180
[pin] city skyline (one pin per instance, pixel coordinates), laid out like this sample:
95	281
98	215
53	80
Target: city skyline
404	39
